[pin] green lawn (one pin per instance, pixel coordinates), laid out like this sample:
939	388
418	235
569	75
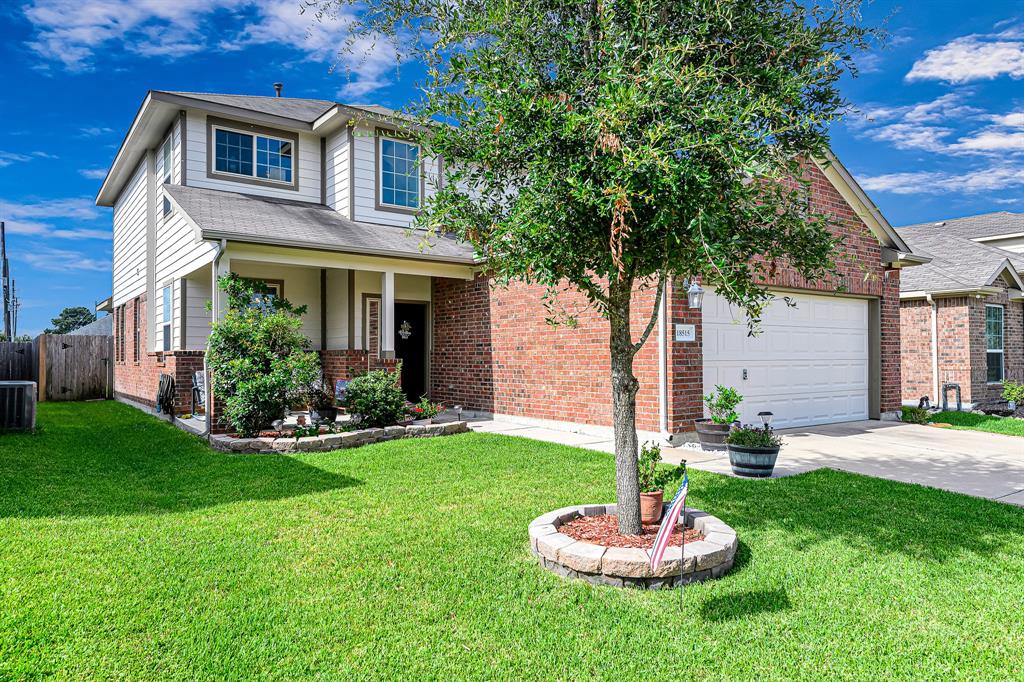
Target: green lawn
129	550
968	421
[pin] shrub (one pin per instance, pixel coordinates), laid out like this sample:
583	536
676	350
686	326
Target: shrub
914	415
754	437
722	403
651	477
377	398
257	356
1014	391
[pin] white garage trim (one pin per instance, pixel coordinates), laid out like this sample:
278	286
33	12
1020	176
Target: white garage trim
811	363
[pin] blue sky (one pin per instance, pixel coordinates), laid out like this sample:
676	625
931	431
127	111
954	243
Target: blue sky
940	131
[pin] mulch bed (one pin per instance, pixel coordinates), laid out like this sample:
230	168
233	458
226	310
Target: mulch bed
604	530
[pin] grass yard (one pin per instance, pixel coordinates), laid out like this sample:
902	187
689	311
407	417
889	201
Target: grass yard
130	550
968	421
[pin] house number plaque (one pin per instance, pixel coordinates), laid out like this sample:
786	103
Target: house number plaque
686	332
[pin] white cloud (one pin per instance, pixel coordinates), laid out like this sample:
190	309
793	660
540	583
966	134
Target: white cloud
93	173
1014	120
975	181
911	136
63	260
988	141
96	131
36	219
972	58
9	158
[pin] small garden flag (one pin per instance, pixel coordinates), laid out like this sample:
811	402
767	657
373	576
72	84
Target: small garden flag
668	524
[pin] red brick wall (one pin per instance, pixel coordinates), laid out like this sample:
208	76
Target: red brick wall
345	364
139	381
962	350
493	351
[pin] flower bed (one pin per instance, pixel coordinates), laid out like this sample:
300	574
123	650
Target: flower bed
711	556
333	441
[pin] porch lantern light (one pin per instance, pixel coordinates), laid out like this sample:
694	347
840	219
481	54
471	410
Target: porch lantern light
766	418
695	296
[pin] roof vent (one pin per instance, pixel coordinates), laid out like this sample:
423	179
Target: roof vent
938	224
277	89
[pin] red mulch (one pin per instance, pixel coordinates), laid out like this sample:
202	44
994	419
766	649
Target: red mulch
604	530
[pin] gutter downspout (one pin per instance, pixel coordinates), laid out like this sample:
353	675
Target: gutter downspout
935	345
219	251
663	366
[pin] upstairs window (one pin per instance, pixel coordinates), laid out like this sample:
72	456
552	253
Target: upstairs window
168	159
994	342
165	316
399	181
256	156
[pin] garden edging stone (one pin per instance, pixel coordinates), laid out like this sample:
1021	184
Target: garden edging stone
332	441
711	557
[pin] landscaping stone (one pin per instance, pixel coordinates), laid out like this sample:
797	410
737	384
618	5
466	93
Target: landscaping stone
331	441
307	443
394	431
705	559
284	444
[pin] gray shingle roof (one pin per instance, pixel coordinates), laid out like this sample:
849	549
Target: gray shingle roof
957	262
975	226
283	222
305	110
101	326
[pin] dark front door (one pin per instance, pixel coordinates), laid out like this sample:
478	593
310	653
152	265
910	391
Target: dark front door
411	347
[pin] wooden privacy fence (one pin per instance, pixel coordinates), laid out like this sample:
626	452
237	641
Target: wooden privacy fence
66	367
18	361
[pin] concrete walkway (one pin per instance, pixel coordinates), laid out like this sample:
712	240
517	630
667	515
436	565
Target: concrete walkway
979	464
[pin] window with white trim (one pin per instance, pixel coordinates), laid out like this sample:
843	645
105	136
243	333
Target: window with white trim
166	314
994	343
168	158
399	180
256	156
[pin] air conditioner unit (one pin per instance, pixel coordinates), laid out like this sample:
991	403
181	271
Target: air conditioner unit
17	405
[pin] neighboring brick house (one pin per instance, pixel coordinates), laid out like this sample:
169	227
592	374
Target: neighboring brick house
315	198
962	314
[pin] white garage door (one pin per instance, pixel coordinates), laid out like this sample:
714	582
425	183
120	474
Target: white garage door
808	366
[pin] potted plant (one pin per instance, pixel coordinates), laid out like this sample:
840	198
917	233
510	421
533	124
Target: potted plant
424	411
721	404
652	496
321	405
753	451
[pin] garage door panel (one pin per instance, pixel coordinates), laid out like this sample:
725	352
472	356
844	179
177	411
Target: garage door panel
808	366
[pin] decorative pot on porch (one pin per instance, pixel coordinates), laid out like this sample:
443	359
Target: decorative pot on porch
323	414
711	435
753	452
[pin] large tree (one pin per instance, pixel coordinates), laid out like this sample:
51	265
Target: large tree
71	319
607	145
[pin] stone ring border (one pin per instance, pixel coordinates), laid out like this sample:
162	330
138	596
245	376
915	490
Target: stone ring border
705	559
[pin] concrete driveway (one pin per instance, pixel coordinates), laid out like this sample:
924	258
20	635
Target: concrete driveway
980	464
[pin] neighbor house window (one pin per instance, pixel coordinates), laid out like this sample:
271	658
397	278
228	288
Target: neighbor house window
168	156
399	165
257	156
119	346
274	290
994	342
165	317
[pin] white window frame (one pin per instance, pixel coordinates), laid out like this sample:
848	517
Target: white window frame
1002	343
167	316
380	175
167	152
213	157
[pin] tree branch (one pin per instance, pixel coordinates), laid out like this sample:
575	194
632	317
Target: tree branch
654	313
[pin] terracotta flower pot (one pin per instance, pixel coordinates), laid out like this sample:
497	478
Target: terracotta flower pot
651	506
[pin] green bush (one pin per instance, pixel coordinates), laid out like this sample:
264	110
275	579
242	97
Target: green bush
722	403
651	477
915	415
753	437
377	398
257	356
1014	391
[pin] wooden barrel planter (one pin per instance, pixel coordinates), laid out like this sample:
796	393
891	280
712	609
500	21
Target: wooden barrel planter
753	462
711	435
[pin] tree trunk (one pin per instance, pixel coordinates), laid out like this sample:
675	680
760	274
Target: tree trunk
624	389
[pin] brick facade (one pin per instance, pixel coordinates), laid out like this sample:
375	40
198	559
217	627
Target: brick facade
137	371
493	351
961	346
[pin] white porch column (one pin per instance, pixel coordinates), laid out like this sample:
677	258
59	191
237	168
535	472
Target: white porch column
387	314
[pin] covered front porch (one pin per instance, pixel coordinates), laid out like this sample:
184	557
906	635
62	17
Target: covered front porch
362	312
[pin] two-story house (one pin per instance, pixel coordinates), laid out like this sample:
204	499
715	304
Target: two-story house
315	198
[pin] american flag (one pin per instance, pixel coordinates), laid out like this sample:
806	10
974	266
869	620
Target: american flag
669	523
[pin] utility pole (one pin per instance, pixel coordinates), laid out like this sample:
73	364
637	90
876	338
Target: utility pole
15	306
6	282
